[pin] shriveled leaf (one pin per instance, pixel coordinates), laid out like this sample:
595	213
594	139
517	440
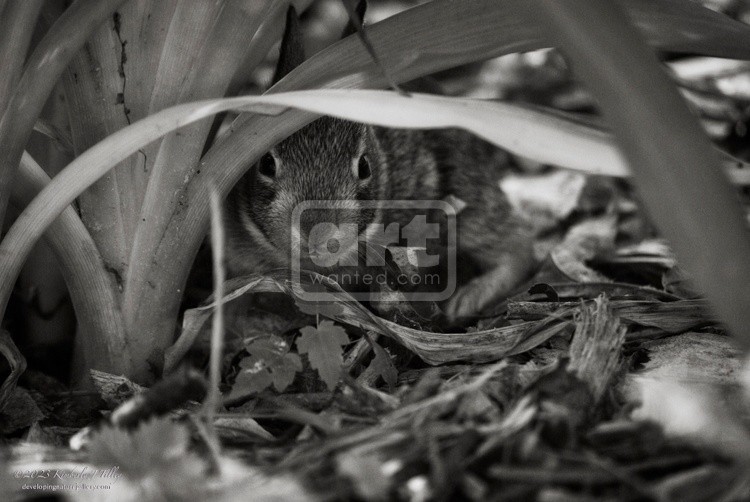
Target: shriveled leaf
434	348
323	346
670	316
114	389
583	242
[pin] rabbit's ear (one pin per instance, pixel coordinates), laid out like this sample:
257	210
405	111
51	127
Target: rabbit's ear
292	52
351	28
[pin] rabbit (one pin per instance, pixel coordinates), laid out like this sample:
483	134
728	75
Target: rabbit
336	160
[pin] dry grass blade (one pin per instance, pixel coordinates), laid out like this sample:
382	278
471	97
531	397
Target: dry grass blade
433	348
672	316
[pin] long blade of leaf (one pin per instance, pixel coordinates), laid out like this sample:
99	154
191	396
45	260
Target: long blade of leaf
44	67
179	154
16	27
669	153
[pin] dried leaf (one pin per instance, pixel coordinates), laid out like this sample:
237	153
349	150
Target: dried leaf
583	242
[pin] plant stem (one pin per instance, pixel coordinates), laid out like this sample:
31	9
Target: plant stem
91	289
213	399
178	158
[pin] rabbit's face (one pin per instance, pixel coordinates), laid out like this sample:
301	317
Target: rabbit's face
330	160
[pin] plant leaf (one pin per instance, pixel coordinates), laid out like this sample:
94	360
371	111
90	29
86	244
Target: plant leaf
269	363
253	378
383	365
323	348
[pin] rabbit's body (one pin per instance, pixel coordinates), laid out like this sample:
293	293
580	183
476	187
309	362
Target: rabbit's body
335	160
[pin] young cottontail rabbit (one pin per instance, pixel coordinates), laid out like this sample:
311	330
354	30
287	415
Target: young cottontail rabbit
336	160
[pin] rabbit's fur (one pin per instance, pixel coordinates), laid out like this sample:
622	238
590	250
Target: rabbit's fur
322	161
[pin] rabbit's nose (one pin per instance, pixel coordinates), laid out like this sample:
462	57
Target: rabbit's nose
331	243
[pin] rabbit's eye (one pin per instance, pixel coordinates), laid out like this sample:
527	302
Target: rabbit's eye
363	168
267	166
